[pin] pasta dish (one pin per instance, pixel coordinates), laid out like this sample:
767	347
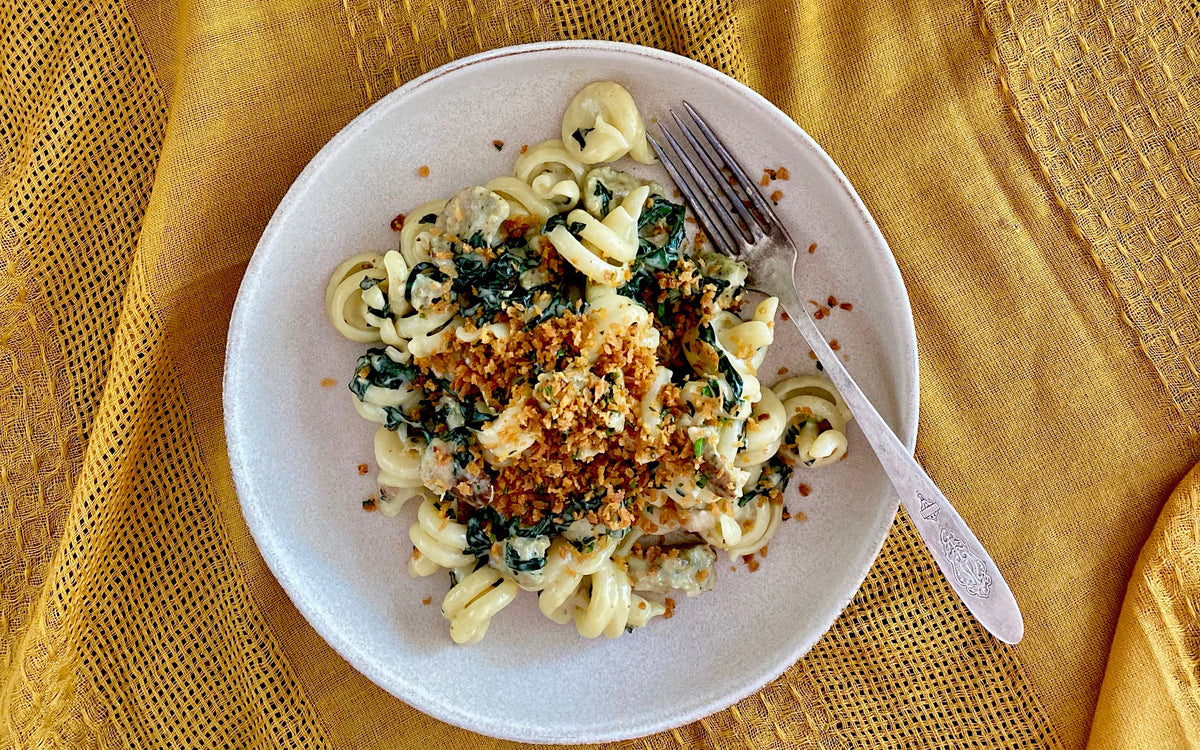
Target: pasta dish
569	386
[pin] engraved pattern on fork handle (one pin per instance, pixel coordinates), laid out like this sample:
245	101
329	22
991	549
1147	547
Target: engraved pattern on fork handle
969	569
959	555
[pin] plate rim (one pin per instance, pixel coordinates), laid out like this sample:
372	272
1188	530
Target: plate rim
274	555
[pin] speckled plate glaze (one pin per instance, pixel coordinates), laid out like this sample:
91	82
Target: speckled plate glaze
295	445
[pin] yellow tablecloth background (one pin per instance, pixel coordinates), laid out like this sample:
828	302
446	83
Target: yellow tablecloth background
1032	164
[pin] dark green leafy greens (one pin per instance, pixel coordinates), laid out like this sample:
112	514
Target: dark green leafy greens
585	545
580	135
733	378
519	564
366	284
434	410
660	235
378	369
560	220
485	526
605	197
776	473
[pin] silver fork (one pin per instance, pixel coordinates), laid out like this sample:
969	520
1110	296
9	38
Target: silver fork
756	236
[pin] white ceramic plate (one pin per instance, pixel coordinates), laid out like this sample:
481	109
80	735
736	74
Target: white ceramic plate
294	445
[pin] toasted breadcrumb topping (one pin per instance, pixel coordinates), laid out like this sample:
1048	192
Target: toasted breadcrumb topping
583	412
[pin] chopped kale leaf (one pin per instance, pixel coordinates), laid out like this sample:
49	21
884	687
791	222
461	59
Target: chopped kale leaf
520	565
585	545
479	536
476	240
775	475
369	282
605	196
660	234
708	335
378	369
580	135
560	220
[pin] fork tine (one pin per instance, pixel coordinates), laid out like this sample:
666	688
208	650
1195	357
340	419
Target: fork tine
739	174
728	222
720	179
716	232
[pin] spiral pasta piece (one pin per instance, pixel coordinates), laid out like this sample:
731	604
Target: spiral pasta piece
609	309
547	164
426	326
748	340
740	342
399	462
818	416
438	542
759	521
524	200
763	432
602	124
564	570
471	604
724	532
414	235
606	604
375	401
651	406
365	295
508	435
605	248
344	304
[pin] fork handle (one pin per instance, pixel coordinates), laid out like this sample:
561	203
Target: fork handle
959	555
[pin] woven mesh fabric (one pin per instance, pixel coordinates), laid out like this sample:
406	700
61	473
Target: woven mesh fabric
1105	94
1055	346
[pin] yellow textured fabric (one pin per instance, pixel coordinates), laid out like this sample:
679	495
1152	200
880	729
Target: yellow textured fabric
1151	691
1032	165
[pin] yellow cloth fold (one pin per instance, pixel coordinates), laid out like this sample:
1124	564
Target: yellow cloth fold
1032	167
1151	692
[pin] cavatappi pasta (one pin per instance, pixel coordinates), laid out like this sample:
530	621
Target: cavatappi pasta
571	388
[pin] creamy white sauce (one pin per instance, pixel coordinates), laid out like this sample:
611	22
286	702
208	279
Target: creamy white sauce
680	573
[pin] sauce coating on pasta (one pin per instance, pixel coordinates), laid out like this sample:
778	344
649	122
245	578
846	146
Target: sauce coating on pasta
570	387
